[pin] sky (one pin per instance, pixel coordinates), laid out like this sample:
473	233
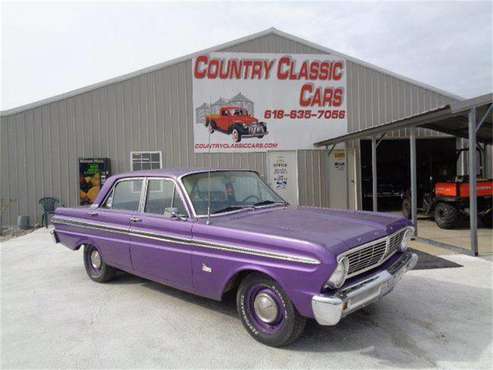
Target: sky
52	48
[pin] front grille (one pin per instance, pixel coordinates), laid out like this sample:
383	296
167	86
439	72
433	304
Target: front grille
371	255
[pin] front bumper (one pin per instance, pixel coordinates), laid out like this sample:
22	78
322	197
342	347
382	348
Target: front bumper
54	236
330	309
255	130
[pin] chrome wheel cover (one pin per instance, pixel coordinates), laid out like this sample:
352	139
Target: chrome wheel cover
265	308
96	261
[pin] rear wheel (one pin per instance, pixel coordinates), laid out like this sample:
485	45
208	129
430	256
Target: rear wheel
211	127
446	215
96	268
487	219
267	313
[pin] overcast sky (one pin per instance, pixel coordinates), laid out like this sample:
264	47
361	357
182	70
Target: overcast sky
51	48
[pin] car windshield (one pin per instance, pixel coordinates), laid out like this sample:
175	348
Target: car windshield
229	191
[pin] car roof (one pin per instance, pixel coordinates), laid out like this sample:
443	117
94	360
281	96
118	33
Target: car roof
173	172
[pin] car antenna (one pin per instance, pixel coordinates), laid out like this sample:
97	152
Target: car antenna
209	182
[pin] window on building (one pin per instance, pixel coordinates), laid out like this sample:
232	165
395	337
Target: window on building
145	160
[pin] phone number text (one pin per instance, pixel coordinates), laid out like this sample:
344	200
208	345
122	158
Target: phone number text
304	114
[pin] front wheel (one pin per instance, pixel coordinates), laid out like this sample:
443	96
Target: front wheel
406	208
96	268
267	313
446	215
235	134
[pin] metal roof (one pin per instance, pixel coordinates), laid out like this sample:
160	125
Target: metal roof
269	31
450	119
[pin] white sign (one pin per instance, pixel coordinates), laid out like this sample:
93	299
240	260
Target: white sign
246	102
283	174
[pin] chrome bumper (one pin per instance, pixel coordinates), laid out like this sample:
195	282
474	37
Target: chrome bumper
330	309
54	236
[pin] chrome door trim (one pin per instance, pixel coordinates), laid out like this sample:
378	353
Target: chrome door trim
186	241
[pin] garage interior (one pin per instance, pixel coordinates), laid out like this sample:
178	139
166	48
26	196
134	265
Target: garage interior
436	160
470	119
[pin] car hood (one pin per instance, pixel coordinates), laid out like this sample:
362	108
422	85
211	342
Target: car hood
334	229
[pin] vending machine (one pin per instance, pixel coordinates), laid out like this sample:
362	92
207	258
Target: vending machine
93	172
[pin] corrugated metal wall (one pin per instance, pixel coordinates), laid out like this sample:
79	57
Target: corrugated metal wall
40	147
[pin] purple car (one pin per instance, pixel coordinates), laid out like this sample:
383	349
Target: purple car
211	232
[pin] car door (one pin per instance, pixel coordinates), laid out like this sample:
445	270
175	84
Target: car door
111	221
160	235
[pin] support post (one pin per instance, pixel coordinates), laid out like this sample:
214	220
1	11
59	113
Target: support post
374	172
473	200
414	182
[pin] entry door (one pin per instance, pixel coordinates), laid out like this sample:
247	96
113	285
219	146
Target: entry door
282	174
111	222
159	236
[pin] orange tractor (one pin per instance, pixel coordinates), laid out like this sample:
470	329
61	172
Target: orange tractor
448	201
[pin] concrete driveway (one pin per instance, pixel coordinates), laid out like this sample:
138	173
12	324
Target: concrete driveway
54	316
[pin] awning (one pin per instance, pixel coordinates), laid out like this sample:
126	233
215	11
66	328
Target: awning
450	119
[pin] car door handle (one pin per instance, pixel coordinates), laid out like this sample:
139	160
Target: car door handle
135	219
92	213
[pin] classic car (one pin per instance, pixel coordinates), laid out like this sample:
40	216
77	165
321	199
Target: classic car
210	232
237	122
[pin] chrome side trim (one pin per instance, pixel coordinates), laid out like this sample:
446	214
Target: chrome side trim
185	241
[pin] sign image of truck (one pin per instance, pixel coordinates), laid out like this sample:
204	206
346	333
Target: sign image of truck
237	122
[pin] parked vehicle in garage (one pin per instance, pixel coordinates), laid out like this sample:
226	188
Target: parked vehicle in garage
237	122
212	232
450	200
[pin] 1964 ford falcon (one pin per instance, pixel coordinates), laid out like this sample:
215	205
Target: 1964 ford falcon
211	232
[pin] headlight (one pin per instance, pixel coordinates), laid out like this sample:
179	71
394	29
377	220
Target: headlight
408	234
338	277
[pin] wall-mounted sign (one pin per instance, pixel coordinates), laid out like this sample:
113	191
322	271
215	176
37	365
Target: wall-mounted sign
282	174
339	159
246	102
93	172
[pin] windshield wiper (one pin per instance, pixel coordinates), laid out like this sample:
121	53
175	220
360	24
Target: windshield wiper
228	209
266	202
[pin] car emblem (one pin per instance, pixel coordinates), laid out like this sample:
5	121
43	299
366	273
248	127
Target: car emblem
206	268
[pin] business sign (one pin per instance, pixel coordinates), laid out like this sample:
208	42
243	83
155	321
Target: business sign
246	102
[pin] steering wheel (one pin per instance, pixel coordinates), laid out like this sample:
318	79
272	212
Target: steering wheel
257	199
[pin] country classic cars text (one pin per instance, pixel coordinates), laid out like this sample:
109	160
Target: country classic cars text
283	68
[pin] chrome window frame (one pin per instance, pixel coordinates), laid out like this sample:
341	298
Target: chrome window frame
177	189
113	186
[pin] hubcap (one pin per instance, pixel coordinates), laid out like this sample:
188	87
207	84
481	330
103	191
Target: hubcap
235	134
96	259
265	307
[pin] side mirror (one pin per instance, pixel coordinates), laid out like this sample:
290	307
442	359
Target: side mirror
172	212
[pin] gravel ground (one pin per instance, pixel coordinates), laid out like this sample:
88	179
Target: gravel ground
53	316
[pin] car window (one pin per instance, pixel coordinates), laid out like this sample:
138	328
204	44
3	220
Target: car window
227	190
162	195
125	195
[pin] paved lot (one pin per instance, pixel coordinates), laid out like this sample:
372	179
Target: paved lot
459	237
54	316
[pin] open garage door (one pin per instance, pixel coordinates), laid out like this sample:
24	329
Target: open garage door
436	160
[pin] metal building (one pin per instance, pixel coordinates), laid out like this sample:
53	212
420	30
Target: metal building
149	112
